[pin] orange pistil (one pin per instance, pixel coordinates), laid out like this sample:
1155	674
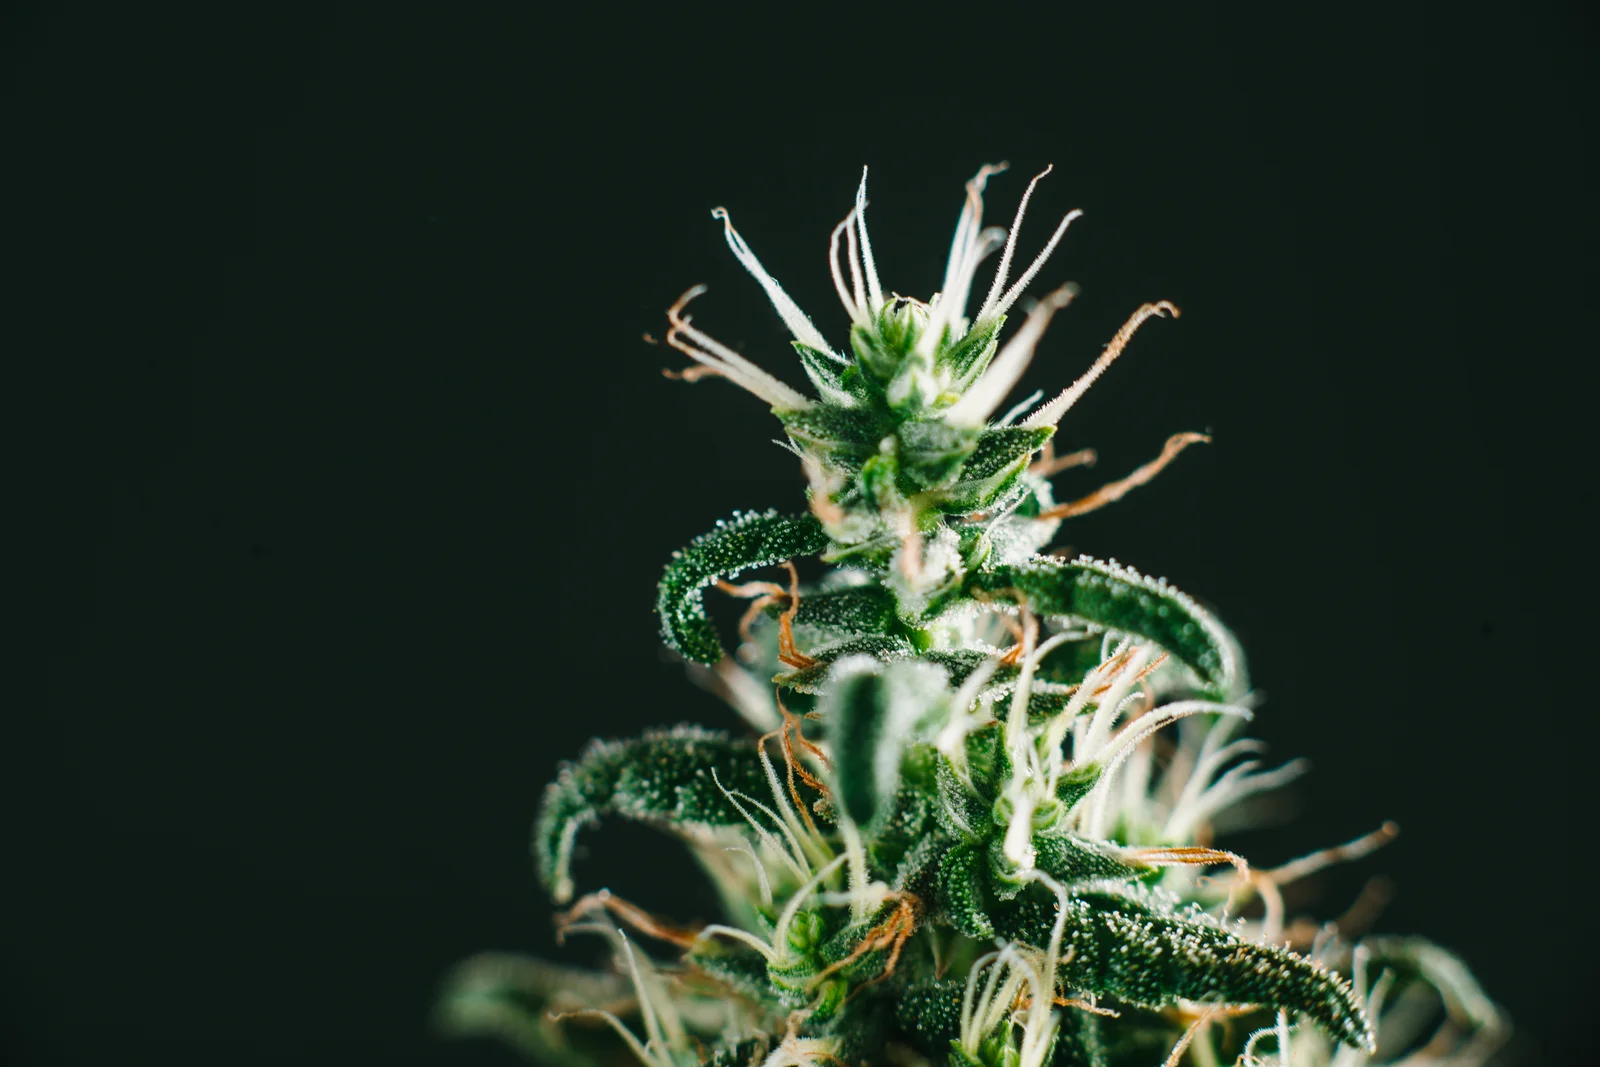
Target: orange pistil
1087	1005
1026	633
1360	916
1111	492
793	722
691	374
1049	463
1190	856
632	914
762	595
891	934
792	765
787	652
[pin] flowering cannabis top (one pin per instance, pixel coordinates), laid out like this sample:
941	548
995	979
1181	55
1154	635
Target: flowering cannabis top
965	833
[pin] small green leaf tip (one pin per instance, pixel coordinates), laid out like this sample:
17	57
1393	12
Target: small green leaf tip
974	821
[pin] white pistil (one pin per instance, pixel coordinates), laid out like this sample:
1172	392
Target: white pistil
874	290
1051	413
788	310
1005	302
857	315
1001	271
719	357
980	401
970	244
856	286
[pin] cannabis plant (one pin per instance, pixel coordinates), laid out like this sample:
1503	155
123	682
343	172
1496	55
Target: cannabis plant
972	816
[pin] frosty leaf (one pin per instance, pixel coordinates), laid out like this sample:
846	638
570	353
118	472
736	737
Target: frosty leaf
998	461
1078	1041
960	662
871	712
748	540
1073	861
854	611
880	352
1129	949
827	373
896	840
1076	783
841	435
740	968
813	679
930	1011
963	890
669	778
968	357
962	812
932	451
1118	598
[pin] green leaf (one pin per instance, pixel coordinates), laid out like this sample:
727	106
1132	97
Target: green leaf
1074	861
1077	783
963	890
962	813
1134	950
994	468
829	616
813	679
898	840
880	352
1078	1041
742	969
668	778
930	1012
1118	598
845	437
1067	858
827	373
932	451
871	712
747	540
968	357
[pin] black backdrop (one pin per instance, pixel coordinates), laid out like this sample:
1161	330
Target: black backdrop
348	476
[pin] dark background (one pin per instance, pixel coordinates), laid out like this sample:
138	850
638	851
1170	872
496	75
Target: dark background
346	477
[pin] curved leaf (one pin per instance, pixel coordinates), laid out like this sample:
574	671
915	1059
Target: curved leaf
748	540
830	615
667	777
1119	598
1126	948
886	648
